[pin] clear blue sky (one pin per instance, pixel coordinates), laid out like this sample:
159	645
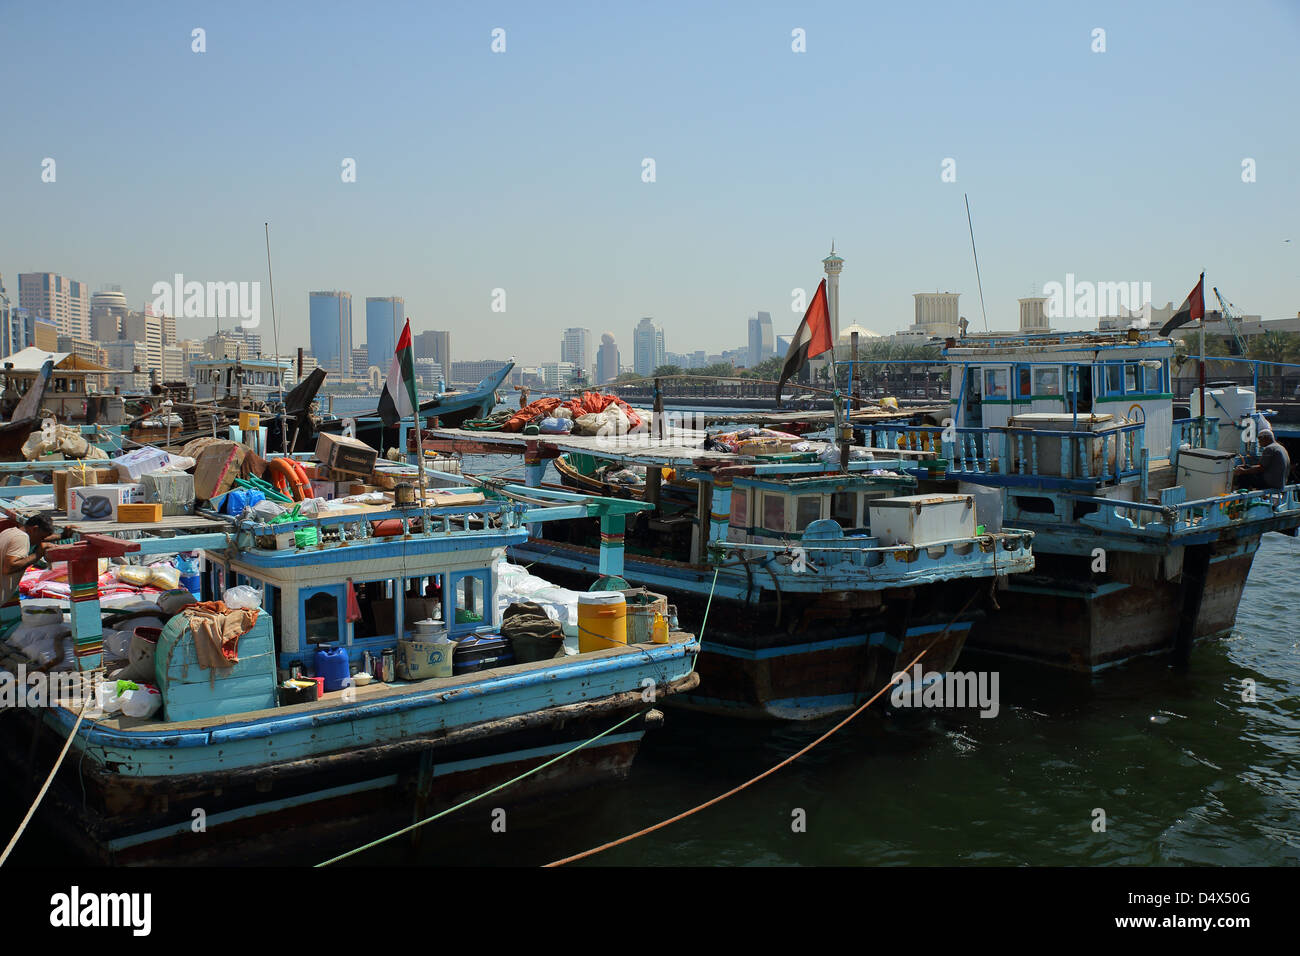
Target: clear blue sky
522	170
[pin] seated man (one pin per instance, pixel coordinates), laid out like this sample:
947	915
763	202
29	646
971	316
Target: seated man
1272	471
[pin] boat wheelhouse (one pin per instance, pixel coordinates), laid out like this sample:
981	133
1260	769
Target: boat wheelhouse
272	776
1143	546
810	610
255	379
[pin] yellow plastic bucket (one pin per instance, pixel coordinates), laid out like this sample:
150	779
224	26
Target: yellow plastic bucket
602	620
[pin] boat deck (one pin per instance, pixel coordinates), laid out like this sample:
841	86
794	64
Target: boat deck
370	693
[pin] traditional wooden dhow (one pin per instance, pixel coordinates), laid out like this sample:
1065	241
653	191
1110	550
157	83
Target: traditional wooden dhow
820	583
1143	545
230	769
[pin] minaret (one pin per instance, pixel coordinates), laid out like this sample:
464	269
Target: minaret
833	264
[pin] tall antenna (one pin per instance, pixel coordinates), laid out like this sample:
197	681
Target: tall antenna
275	329
977	262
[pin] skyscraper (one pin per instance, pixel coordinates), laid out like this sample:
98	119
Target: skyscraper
606	360
57	299
575	347
761	343
331	330
384	319
434	345
647	347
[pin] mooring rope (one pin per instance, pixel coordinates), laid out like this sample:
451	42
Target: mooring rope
486	793
528	773
67	744
771	770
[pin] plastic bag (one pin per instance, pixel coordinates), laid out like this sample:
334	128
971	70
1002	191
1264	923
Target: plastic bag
132	574
164	576
242	596
144	701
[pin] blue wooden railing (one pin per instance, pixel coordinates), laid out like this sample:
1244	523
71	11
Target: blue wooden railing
1197	432
1111	455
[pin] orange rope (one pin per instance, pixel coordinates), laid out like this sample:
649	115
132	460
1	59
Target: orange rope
748	783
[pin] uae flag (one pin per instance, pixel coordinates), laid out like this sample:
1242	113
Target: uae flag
1193	308
812	339
398	400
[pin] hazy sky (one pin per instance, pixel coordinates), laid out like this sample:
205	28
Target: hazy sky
523	170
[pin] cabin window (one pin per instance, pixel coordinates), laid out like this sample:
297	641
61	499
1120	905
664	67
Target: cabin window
807	509
321	618
469	595
774	513
1113	381
844	508
1047	381
1023	389
739	508
995	383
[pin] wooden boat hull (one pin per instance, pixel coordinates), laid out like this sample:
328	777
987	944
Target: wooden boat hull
1063	616
319	778
813	655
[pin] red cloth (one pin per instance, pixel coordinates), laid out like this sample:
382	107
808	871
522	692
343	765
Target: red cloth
354	608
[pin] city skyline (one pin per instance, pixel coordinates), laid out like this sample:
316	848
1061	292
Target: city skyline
497	239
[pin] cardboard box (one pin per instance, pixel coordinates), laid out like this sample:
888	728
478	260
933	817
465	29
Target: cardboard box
148	512
78	478
217	467
100	502
345	457
133	465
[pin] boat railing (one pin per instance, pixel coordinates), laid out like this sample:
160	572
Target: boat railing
985	551
1112	455
1175	515
435	520
1197	432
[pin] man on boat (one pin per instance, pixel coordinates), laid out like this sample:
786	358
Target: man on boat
20	548
1272	470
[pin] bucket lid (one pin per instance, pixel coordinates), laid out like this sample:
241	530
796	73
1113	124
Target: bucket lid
601	597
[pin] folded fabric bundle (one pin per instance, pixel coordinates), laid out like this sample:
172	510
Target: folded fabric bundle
217	630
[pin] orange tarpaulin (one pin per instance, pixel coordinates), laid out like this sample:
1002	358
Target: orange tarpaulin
590	403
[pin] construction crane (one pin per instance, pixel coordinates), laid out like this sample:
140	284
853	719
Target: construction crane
1230	316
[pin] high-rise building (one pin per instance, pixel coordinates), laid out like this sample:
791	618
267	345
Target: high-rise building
12	334
147	331
57	299
647	347
556	374
384	319
361	362
762	345
575	348
429	373
107	309
606	360
330	317
130	364
433	345
173	364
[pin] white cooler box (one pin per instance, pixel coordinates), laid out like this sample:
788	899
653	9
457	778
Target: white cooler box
1205	472
1049	446
922	519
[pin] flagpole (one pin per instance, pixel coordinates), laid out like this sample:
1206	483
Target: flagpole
1201	288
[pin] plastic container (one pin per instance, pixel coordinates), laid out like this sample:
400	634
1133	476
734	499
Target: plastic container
660	633
332	665
602	620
